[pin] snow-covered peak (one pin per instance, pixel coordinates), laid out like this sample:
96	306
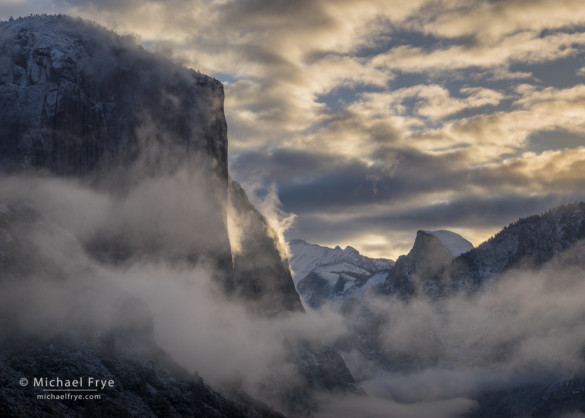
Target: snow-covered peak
305	258
454	243
333	275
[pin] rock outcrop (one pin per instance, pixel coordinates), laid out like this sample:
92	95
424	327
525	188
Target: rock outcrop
261	274
431	253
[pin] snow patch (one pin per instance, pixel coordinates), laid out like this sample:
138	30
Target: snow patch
454	243
348	273
342	268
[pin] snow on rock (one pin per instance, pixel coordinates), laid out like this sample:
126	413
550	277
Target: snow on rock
342	268
529	241
454	243
306	257
331	275
431	253
62	75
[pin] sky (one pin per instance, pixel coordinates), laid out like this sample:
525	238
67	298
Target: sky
373	119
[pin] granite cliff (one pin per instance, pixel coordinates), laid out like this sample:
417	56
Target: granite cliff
112	158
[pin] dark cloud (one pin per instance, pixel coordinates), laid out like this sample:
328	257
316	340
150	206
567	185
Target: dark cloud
310	181
337	198
283	164
470	211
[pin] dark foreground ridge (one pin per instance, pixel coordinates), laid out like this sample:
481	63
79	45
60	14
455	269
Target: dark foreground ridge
136	388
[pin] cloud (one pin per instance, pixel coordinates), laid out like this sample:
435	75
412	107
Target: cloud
344	201
432	102
488	21
519	332
508	327
436	104
265	199
333	185
536	110
280	74
70	288
535	317
526	47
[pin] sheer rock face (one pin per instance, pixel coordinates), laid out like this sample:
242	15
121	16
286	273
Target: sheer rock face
261	273
431	253
79	101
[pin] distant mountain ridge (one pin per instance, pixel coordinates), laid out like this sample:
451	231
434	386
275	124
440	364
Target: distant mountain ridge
333	274
527	243
325	274
439	263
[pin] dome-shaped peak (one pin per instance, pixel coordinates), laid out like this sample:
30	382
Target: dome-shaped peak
453	242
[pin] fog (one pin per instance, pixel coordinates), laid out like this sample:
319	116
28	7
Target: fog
58	281
527	320
525	328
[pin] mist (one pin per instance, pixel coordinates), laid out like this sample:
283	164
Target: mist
525	328
68	287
